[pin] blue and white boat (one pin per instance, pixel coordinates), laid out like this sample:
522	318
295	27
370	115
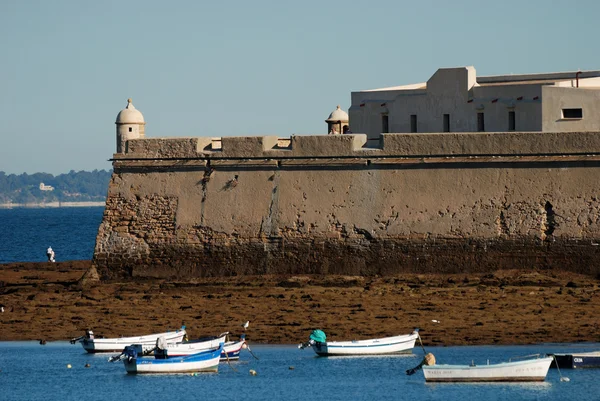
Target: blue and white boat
205	361
578	360
401	344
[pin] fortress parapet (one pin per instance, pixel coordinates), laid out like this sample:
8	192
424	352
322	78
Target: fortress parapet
443	147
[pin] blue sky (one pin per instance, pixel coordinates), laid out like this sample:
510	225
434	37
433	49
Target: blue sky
238	68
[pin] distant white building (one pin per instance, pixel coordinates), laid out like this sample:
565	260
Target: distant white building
456	100
44	187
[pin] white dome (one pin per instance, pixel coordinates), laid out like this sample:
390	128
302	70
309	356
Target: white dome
130	115
338	115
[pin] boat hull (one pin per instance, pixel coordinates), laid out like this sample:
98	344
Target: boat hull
207	361
382	346
147	342
520	371
582	360
231	350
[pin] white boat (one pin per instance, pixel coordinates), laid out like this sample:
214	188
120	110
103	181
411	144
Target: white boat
378	346
147	342
205	361
527	370
231	349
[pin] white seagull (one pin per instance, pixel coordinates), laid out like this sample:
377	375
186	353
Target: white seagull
436	321
2	309
245	325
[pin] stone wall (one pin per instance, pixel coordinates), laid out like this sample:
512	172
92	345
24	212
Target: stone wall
188	207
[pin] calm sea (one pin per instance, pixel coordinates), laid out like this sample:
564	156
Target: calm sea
30	371
26	233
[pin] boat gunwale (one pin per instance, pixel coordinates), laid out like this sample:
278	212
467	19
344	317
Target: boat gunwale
506	364
369	343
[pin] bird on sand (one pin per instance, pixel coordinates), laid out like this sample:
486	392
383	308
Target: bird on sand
245	325
436	321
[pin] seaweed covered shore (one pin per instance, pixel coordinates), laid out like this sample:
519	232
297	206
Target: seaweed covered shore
47	301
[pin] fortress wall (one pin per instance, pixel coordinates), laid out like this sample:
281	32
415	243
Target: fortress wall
326	205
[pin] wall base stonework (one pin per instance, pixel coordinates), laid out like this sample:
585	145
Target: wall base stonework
331	206
360	258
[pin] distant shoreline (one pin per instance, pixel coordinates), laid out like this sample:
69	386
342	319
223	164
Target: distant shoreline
50	205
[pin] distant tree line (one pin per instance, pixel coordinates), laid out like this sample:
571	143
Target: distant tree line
75	186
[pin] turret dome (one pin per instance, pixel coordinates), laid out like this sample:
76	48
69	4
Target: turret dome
338	115
130	115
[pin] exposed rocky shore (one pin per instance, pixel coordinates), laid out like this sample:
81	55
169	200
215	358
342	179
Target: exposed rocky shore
47	301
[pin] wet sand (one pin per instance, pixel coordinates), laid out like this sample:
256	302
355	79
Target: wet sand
45	301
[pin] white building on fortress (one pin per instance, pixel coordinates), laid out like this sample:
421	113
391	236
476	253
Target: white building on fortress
453	100
457	100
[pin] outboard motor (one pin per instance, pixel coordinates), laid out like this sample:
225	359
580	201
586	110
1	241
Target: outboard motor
161	343
160	349
130	353
317	337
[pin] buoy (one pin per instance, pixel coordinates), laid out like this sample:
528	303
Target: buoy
253	372
68	366
87	365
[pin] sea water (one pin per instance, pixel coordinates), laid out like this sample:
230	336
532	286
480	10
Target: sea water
30	371
26	233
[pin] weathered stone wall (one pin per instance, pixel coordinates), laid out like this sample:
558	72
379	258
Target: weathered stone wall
325	204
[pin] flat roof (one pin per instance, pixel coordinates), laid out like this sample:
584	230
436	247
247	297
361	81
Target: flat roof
512	79
540	78
422	85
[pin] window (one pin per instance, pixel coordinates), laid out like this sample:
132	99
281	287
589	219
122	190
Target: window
572	113
511	120
446	122
385	126
480	122
413	123
130	129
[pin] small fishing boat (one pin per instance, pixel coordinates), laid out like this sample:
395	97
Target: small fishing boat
378	346
205	361
527	370
578	360
147	342
231	349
